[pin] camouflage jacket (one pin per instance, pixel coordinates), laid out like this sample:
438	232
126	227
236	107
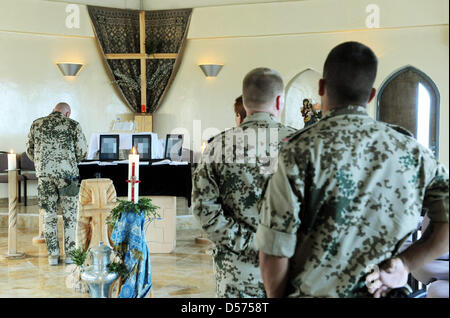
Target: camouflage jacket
56	144
228	182
347	192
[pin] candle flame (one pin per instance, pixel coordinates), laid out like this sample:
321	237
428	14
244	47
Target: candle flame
11	151
203	147
133	150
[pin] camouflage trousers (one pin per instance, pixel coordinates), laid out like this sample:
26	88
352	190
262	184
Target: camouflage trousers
237	275
49	200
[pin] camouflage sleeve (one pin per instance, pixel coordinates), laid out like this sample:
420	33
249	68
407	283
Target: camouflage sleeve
80	144
436	196
30	143
279	212
207	209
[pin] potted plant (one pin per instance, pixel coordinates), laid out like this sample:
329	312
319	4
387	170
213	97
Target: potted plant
73	280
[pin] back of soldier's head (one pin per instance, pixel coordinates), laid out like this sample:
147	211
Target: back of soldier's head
62	107
260	88
349	73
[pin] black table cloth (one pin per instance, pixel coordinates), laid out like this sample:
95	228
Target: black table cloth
155	180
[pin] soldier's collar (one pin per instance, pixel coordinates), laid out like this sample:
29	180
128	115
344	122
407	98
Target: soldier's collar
259	116
348	110
56	113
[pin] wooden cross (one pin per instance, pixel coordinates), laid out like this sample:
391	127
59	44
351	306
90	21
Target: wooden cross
142	56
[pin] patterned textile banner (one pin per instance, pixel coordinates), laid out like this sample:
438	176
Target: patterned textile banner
117	31
129	236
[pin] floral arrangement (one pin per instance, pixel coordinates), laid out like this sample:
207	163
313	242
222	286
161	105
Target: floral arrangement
144	205
73	280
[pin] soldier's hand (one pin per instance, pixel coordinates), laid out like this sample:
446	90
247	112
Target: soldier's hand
392	274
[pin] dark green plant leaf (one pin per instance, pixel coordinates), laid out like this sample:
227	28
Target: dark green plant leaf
79	255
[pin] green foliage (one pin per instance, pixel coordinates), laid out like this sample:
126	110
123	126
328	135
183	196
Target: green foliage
118	267
144	205
120	250
78	255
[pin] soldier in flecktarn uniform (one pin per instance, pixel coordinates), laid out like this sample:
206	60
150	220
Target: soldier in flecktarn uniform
229	180
56	144
347	193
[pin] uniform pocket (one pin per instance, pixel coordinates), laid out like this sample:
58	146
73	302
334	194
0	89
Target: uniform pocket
71	190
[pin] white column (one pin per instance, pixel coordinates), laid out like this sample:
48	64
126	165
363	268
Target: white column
12	218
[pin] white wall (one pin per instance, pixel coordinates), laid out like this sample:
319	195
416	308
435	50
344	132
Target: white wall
30	82
293	36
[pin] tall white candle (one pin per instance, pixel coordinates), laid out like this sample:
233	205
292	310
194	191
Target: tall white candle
133	157
12	161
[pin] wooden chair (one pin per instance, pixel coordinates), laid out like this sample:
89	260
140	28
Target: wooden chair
28	171
4	170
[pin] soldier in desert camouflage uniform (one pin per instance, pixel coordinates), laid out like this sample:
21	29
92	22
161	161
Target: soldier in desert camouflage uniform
56	144
347	192
228	183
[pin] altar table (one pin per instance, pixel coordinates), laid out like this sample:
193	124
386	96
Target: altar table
163	180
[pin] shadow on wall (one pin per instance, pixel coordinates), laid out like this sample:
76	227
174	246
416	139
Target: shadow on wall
303	85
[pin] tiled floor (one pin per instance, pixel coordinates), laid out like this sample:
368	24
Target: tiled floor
185	273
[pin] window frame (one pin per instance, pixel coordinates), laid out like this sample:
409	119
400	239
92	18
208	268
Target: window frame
430	83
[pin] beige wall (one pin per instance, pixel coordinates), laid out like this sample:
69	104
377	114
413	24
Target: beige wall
293	36
30	82
289	37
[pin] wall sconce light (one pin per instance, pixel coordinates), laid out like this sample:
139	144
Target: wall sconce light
211	70
69	69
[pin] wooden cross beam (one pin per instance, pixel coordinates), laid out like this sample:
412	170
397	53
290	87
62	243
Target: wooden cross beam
143	57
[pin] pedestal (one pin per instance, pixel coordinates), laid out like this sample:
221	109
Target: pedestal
161	234
12	219
40	238
97	198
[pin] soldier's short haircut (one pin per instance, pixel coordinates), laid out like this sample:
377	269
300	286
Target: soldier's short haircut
349	73
260	87
62	107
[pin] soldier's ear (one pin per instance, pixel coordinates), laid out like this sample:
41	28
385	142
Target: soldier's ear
321	87
372	94
278	102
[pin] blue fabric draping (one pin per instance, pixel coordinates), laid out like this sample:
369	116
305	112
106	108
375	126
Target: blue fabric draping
130	230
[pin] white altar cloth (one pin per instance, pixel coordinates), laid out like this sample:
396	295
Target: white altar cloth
125	142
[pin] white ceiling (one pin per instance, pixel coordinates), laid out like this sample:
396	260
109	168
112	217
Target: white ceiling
164	4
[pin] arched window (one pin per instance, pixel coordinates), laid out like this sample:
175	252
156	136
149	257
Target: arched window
304	85
410	99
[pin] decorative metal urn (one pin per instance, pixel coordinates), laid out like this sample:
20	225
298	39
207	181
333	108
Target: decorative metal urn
97	276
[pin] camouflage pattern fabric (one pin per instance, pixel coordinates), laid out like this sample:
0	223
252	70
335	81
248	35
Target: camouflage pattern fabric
49	194
56	144
227	185
347	192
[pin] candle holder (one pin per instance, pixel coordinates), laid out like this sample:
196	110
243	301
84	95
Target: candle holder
12	217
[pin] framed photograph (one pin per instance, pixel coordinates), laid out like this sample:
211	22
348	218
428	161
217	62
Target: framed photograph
143	145
174	146
109	147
